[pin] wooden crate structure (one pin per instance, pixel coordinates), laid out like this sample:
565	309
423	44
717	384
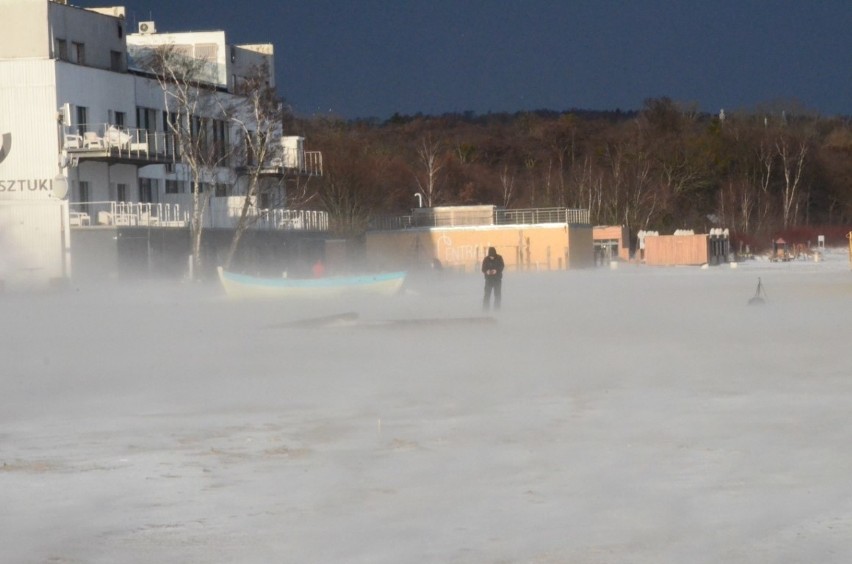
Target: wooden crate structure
673	250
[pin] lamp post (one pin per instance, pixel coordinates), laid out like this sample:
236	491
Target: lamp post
849	236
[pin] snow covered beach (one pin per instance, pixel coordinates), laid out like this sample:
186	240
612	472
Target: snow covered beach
631	415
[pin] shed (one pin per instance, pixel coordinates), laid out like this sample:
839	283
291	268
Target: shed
687	249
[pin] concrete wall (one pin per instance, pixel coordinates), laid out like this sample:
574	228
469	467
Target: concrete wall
581	247
137	252
247	58
28	128
527	247
23	29
100	34
33	244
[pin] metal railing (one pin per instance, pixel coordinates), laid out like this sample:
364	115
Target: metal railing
541	215
105	139
530	216
307	163
92	214
133	214
228	217
391	222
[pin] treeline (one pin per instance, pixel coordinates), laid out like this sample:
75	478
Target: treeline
664	168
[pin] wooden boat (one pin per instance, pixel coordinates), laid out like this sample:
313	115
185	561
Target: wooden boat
243	286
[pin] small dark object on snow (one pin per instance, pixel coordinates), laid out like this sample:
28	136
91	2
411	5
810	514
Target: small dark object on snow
348	318
759	295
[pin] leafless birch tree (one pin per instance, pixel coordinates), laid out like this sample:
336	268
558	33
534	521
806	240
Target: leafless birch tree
429	156
195	111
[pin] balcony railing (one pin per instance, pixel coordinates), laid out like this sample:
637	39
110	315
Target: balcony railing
104	141
91	214
530	216
276	219
133	214
289	161
534	216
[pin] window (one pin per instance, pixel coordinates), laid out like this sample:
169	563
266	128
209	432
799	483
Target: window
198	132
207	52
220	140
174	124
249	147
78	53
83	196
120	119
147	190
146	118
121	192
172	187
120	31
221	190
60	49
116	61
82	119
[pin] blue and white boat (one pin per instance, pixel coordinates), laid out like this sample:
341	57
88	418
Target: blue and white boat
243	286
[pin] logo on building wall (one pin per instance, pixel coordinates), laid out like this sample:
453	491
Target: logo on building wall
5	146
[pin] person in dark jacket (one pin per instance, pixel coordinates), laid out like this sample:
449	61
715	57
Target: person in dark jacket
492	268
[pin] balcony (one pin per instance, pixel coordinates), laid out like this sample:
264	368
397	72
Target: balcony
115	144
225	213
221	214
126	214
287	162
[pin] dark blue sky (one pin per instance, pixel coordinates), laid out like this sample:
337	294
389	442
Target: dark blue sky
372	58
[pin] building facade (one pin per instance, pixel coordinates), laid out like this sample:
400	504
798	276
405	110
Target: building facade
88	136
458	238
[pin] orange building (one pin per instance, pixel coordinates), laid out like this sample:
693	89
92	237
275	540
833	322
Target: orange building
523	247
687	248
611	243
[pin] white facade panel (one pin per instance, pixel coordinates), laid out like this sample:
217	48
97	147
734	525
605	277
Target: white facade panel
209	46
97	90
149	94
33	244
29	129
97	35
23	27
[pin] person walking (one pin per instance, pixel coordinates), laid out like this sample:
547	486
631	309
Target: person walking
492	268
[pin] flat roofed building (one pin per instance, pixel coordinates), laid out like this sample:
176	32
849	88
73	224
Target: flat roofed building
84	128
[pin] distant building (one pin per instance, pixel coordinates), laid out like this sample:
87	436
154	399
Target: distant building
611	243
80	114
686	248
457	238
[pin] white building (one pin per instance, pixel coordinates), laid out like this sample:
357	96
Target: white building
79	114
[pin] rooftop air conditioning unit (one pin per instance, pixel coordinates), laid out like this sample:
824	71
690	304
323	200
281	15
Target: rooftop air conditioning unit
147	27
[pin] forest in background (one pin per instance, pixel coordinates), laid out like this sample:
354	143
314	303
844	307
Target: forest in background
762	174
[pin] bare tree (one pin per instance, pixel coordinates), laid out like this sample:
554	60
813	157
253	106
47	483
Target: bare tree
197	117
507	185
350	188
763	177
428	153
257	119
792	155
